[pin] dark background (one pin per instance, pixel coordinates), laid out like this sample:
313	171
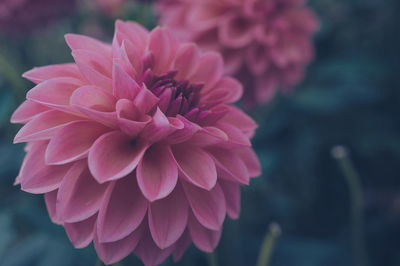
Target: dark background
350	97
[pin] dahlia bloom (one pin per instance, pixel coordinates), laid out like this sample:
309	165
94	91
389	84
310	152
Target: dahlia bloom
110	8
136	145
27	15
266	44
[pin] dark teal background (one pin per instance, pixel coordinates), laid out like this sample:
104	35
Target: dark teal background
351	97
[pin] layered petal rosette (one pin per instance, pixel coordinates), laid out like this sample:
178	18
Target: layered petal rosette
137	146
266	44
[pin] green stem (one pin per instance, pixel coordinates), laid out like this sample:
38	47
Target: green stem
273	233
353	180
212	259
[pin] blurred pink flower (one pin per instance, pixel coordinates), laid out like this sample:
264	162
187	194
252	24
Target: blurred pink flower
110	8
137	146
18	16
266	44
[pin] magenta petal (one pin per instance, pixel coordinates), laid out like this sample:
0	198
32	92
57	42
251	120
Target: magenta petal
114	155
209	207
44	126
160	127
182	245
149	252
196	165
208	136
79	196
186	61
124	87
204	239
130	119
232	195
168	218
26	111
239	119
184	134
113	252
163	46
251	161
81	42
235	135
37	177
122	212
50	199
40	74
157	173
145	100
73	141
81	233
227	90
230	164
210	70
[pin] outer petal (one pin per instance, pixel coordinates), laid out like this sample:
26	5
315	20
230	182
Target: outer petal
124	87
40	74
186	61
239	119
209	71
26	111
50	199
163	46
209	207
196	165
113	252
81	42
251	161
81	233
227	90
232	195
205	239
157	173
73	141
182	245
79	196
123	210
37	177
114	155
168	218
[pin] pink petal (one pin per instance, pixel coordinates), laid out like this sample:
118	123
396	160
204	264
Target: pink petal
73	141
44	126
230	165
81	233
123	210
168	218
235	135
145	100
251	161
40	74
55	93
196	165
51	200
124	87
204	239
114	155
130	119
163	46
132	32
98	62
186	61
95	77
157	173
208	136
235	32
79	196
149	252
232	195
184	134
37	177
160	127
26	111
113	252
227	90
209	71
182	245
209	207
81	42
239	119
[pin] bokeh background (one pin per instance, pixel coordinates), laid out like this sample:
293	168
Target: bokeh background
350	97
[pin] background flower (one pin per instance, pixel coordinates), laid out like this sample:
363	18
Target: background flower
136	146
27	15
266	44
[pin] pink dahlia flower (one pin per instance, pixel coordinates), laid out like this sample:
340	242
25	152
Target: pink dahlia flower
265	43
136	145
26	15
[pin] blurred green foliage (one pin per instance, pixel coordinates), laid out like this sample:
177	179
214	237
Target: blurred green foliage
351	97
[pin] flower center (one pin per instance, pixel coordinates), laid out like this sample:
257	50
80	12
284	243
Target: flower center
176	97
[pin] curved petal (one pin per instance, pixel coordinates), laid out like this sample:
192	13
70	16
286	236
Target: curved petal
81	233
50	199
227	90
157	173
239	119
130	119
44	126
73	141
114	155
184	134
208	136
132	32
209	71
186	61
37	177
122	212
81	42
196	165
113	252
163	46
145	101
251	161
232	196
40	74
182	245
209	207
79	196
235	135
124	87
160	127
168	218
204	239
26	111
